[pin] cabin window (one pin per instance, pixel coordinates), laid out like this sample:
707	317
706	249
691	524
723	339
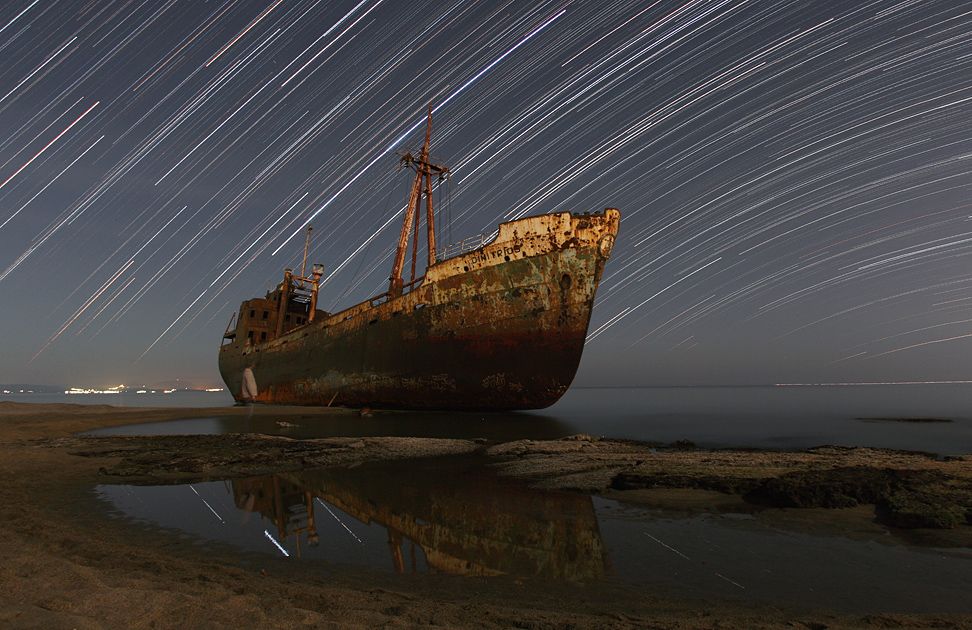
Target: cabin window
263	336
249	334
252	313
266	314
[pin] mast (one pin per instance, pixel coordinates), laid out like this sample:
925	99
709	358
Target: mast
423	179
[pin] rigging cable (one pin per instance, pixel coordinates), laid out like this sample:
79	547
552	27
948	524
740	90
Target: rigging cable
352	282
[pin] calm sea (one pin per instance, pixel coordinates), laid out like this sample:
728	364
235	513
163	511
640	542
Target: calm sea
764	417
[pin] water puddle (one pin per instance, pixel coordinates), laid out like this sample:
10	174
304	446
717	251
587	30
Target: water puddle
455	516
458	519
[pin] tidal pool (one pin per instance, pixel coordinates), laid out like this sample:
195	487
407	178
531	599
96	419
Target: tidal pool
455	516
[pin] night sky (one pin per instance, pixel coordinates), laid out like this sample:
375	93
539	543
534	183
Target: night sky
794	177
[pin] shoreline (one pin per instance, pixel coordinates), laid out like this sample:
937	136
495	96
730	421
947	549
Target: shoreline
70	567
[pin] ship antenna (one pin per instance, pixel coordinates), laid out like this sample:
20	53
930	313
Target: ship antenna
307	241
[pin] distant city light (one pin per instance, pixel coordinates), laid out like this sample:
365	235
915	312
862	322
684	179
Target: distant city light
117	389
125	389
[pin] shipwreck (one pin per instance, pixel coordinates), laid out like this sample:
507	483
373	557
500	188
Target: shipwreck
498	324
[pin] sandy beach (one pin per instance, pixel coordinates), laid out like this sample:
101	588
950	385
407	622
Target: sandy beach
68	565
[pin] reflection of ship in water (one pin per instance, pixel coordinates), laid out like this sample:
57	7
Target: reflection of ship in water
466	521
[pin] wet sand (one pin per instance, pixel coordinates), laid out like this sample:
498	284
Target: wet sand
67	565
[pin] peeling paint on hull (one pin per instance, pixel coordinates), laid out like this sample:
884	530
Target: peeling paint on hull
499	328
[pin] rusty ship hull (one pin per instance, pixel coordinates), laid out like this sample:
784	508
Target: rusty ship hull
499	328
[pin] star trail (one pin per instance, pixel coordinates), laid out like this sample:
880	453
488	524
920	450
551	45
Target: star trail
794	177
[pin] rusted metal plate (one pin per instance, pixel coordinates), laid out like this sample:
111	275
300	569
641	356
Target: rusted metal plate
501	327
